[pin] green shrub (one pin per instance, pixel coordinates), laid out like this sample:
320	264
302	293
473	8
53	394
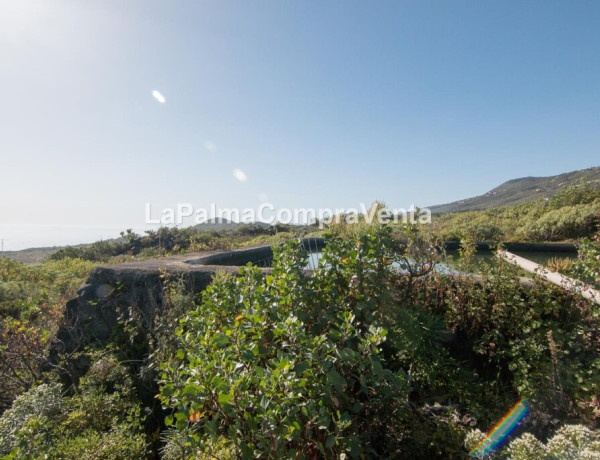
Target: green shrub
571	213
575	442
42	402
540	341
527	447
119	443
32	298
177	447
100	421
484	231
290	365
587	266
568	222
574	195
473	438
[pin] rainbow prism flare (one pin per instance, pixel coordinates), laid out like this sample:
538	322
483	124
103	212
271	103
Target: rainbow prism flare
501	430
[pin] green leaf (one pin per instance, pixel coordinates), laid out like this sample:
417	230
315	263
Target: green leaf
190	389
336	380
330	441
225	398
264	402
347	355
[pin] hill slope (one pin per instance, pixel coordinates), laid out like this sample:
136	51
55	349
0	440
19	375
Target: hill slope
31	255
521	190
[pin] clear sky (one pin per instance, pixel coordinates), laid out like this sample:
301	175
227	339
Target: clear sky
318	103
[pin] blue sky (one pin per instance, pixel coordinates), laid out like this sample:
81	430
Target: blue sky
321	104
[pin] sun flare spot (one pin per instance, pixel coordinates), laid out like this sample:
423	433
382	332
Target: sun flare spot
159	97
240	175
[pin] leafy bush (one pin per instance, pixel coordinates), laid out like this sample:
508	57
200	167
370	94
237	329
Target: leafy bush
527	447
575	442
571	213
484	231
32	299
290	365
116	444
44	401
100	421
587	266
568	222
473	438
542	342
177	447
574	195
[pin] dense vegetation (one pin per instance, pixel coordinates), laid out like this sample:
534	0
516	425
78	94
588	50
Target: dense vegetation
32	299
360	359
173	240
573	213
570	214
374	354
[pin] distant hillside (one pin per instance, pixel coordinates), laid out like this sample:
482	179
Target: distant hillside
521	190
31	255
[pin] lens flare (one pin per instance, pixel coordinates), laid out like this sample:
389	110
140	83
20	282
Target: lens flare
503	428
240	175
159	97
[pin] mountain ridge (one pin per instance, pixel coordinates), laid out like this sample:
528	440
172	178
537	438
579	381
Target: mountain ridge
521	190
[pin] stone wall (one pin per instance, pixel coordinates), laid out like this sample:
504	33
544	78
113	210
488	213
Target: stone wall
111	291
